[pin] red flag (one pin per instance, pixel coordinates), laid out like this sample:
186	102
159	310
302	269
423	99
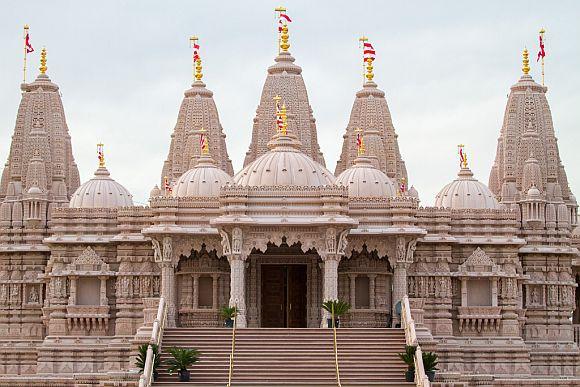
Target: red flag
279	122
542	52
27	44
283	19
166	185
368	51
195	53
358	141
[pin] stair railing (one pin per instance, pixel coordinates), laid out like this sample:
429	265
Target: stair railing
231	368
335	346
156	335
421	379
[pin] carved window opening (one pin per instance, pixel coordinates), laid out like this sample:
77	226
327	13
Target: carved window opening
479	292
88	291
362	292
205	293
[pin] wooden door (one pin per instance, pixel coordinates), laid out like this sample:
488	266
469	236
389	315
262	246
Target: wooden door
297	296
274	296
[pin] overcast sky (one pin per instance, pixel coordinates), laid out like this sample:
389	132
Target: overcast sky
446	68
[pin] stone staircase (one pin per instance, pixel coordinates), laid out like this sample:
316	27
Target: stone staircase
289	357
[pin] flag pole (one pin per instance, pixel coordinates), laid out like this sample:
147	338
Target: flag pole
25	52
362	41
542	32
277	12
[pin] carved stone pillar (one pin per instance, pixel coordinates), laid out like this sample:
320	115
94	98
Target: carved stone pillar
214	301
72	298
103	300
399	287
238	288
372	278
352	278
164	257
195	291
330	291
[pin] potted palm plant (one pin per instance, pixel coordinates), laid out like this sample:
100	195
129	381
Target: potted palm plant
182	359
430	364
142	356
228	313
408	357
337	308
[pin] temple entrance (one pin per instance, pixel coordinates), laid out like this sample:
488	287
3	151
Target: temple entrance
284	293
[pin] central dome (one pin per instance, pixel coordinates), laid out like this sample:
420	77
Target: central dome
466	192
101	192
284	165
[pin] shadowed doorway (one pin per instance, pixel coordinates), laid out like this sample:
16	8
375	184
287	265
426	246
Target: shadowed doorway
284	296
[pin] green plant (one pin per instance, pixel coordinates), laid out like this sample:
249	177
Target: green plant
182	359
140	362
338	307
229	312
409	356
430	361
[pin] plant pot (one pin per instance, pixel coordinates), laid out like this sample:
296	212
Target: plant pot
410	376
336	322
430	375
184	376
229	323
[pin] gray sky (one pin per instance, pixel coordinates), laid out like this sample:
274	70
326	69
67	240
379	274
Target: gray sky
445	66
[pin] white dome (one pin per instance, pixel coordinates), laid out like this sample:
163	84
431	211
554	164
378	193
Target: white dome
101	192
203	180
466	192
283	165
364	180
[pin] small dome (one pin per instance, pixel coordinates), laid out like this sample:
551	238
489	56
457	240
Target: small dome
364	180
155	192
284	165
466	192
34	190
101	192
534	193
413	192
203	180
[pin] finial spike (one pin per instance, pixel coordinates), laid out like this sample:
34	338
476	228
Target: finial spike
43	67
283	36
197	67
360	145
526	62
462	156
101	154
203	142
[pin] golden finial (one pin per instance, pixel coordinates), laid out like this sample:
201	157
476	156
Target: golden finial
462	156
369	75
43	67
197	74
203	142
283	20
101	154
26	26
526	62
360	145
284	118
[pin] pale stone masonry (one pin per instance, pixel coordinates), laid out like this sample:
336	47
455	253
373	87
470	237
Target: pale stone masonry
492	273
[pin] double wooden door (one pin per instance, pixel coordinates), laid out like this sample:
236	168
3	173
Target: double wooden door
284	296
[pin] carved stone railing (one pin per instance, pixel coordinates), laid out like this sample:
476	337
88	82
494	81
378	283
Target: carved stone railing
577	334
156	336
479	319
408	324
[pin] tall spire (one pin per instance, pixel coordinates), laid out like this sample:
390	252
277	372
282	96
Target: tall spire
370	112
284	79
198	112
528	130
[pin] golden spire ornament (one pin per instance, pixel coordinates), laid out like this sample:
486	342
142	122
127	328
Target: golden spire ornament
283	36
526	62
43	67
101	154
360	145
368	58
203	142
197	74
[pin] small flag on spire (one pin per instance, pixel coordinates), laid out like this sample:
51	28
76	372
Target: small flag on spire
403	186
542	51
27	44
166	185
279	120
283	19
368	51
101	154
203	144
462	156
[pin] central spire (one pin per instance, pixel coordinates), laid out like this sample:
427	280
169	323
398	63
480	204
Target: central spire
285	80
